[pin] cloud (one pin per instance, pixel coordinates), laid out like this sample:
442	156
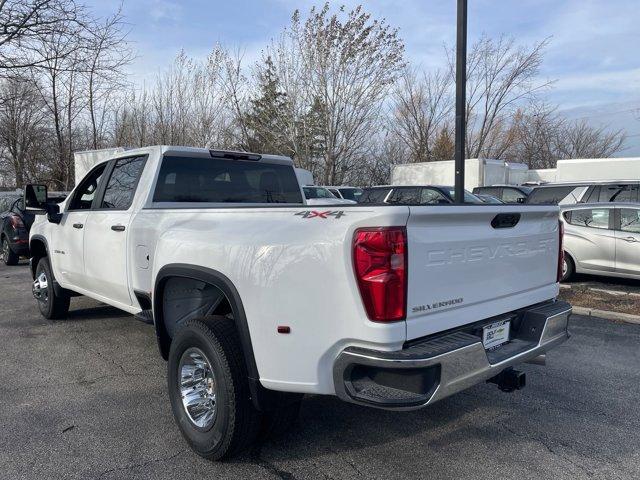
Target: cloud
161	10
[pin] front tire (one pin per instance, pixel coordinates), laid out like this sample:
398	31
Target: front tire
52	305
8	256
209	388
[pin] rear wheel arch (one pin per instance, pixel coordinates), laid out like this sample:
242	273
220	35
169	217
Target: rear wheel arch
190	275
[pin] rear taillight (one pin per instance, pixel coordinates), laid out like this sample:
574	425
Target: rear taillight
16	221
560	250
380	263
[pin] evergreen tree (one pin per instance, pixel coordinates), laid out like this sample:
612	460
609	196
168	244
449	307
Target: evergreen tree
266	121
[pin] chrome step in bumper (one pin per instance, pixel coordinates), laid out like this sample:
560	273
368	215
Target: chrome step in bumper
435	368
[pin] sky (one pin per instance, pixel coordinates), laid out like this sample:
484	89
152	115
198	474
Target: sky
593	56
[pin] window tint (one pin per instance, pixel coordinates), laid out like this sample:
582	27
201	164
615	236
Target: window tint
186	179
335	192
373	195
630	220
83	196
431	196
593	195
550	195
468	196
351	193
493	191
123	182
405	196
618	193
317	192
511	195
594	218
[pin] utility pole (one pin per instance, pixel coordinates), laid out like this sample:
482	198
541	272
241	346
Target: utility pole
461	98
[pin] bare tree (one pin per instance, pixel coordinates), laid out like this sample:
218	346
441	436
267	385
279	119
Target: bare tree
542	137
422	106
501	75
22	124
23	26
580	140
108	53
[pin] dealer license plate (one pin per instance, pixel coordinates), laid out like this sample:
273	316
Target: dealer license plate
495	334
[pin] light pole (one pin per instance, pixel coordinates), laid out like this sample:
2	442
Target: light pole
461	98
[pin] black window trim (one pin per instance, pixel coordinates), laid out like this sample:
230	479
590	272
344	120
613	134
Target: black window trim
72	197
97	200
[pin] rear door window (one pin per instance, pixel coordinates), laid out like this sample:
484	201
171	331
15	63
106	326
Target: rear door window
215	180
122	184
593	218
630	220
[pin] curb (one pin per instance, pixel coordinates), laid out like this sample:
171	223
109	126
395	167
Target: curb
607	315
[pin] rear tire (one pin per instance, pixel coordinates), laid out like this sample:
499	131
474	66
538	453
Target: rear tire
220	387
52	305
8	256
568	269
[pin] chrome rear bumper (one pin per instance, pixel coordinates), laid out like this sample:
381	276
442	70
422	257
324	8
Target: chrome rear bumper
435	368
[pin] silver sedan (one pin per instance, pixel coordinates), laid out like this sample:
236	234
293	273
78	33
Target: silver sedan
602	239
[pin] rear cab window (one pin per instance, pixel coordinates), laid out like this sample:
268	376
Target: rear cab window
216	180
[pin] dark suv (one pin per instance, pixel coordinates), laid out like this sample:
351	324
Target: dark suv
14	235
15	223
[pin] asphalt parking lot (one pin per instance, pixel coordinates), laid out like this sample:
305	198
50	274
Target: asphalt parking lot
86	398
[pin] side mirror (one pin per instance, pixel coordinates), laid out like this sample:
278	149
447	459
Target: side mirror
35	201
35	198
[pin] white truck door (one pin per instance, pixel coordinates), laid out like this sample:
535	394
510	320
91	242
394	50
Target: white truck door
67	255
106	232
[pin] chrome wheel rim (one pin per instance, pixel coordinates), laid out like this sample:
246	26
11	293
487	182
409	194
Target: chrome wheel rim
40	287
565	268
5	250
197	388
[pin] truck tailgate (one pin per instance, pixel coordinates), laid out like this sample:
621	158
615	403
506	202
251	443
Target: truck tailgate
462	269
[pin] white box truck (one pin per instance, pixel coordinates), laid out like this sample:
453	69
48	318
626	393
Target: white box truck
478	173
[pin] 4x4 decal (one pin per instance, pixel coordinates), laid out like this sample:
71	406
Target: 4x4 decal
326	214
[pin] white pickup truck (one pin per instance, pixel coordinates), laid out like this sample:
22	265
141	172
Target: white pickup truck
258	298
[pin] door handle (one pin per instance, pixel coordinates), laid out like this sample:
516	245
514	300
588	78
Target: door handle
78	225
630	239
117	228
